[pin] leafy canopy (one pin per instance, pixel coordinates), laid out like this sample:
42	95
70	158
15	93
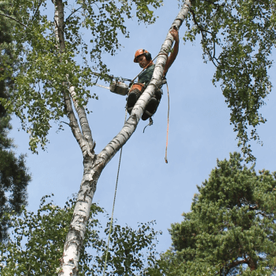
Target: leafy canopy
231	227
91	28
238	36
36	243
14	177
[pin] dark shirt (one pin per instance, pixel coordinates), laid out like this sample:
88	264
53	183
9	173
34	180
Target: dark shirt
146	76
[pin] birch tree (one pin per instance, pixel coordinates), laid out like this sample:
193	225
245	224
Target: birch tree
94	164
238	37
51	84
36	240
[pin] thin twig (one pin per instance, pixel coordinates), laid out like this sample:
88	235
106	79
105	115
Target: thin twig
72	14
37	9
66	123
203	34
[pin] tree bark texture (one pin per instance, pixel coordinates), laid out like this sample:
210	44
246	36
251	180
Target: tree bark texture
94	164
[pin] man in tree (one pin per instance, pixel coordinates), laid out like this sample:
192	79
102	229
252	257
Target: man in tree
143	57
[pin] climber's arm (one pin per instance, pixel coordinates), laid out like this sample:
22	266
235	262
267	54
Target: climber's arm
174	53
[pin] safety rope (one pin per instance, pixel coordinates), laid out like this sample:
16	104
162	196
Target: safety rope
119	166
113	207
118	171
168	124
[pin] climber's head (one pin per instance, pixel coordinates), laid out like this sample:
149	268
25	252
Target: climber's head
143	57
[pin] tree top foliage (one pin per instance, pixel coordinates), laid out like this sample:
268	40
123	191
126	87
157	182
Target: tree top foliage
238	37
44	70
231	227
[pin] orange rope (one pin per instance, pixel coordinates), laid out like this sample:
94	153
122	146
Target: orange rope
168	123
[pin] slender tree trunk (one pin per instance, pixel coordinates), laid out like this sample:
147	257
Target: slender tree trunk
94	164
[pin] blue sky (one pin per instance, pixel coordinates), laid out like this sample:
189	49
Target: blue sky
200	132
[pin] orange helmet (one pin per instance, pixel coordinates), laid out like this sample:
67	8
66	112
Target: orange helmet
141	52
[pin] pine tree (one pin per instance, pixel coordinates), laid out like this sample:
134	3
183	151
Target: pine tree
14	177
231	227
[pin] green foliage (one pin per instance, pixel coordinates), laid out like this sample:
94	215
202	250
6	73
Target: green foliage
44	71
125	256
231	227
37	239
238	37
14	177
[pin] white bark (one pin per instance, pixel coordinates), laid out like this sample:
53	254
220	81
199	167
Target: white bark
94	164
59	24
81	130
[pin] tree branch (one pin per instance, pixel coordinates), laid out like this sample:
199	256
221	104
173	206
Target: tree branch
83	135
111	149
203	35
14	19
37	9
234	264
86	131
72	13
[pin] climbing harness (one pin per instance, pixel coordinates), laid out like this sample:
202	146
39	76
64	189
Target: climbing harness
139	86
113	207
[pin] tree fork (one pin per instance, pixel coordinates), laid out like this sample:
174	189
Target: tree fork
94	164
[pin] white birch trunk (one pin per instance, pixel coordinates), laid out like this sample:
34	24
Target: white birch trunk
94	164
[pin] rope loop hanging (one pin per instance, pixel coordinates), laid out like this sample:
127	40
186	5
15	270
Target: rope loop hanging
168	124
113	207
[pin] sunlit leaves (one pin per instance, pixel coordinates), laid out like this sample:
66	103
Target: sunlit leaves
37	239
238	37
43	73
130	250
37	242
